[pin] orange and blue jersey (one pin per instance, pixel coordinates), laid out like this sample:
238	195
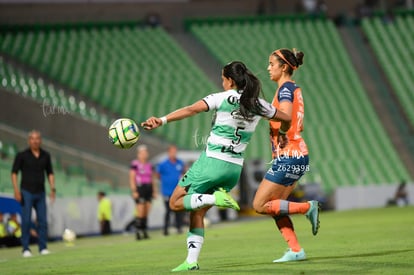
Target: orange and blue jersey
296	147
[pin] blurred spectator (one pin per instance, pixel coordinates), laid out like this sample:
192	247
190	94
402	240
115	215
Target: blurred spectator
104	213
153	20
388	17
13	227
170	171
310	6
322	7
3	231
14	232
6	239
33	163
401	196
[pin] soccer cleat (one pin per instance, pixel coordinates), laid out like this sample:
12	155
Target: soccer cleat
292	256
223	199
27	254
313	216
44	252
186	267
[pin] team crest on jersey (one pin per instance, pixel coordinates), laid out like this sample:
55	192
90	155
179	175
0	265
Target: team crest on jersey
233	100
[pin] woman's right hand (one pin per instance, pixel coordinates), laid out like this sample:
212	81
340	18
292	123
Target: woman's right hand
151	123
135	195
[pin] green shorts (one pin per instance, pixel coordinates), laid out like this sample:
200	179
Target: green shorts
207	174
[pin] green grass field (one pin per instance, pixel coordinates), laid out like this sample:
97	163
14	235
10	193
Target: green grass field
372	241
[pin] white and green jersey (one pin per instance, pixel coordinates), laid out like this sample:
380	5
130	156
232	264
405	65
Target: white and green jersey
231	132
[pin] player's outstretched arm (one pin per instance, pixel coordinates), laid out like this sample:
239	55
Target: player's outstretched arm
282	117
188	111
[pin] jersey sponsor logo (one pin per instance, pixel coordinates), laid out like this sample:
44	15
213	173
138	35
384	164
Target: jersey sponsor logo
229	149
236	115
285	93
233	100
292	176
288	154
271	172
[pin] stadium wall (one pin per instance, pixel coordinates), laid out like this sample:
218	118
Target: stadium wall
171	13
368	196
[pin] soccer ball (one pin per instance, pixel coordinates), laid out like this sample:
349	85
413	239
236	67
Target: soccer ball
123	133
69	236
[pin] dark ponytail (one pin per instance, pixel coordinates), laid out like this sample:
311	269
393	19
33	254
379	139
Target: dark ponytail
292	58
250	86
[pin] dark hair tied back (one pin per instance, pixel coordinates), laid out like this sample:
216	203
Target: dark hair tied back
292	58
250	86
299	56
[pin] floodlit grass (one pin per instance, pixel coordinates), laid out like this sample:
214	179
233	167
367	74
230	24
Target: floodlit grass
372	241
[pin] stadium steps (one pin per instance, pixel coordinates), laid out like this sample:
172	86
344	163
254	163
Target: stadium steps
390	43
346	140
200	55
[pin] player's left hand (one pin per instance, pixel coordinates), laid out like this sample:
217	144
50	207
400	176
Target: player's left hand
283	141
151	123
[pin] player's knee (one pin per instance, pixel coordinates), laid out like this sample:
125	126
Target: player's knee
174	205
259	206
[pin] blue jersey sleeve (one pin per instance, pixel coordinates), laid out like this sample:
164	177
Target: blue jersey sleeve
286	92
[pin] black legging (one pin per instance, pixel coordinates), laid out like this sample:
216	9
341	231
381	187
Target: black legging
179	216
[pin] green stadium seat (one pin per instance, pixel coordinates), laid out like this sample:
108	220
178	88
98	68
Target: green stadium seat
390	43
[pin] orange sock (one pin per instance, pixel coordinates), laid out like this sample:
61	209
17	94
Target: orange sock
284	207
298	207
285	226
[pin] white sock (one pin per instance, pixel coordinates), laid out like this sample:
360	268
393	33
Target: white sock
201	200
194	244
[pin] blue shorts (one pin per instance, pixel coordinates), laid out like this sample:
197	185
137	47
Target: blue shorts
286	170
